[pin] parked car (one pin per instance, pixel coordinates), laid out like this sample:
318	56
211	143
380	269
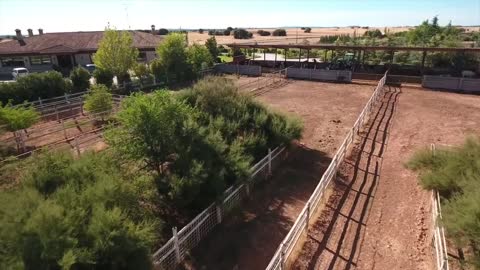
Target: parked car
90	67
19	72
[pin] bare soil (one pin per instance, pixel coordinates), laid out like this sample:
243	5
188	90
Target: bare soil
293	33
378	216
248	238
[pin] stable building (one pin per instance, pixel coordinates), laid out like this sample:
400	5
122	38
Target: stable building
63	51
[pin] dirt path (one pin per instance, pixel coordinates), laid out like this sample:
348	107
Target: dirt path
249	238
378	216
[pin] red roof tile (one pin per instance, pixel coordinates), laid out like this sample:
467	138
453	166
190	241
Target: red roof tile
71	42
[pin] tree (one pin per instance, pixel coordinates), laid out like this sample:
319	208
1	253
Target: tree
116	53
140	70
104	77
241	34
162	31
80	78
75	214
199	58
211	44
279	33
18	117
172	55
99	101
308	30
200	31
263	33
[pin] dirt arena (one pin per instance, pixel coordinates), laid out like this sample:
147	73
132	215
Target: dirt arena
248	238
378	216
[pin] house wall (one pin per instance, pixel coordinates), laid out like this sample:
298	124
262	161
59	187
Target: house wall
82	59
150	56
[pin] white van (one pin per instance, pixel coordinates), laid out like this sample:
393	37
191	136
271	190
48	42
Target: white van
19	72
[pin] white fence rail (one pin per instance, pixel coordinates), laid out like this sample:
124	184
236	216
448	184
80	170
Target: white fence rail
439	242
301	224
452	83
173	252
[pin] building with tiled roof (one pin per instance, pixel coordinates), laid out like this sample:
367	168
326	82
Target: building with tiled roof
65	50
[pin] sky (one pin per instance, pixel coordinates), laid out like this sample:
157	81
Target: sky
88	15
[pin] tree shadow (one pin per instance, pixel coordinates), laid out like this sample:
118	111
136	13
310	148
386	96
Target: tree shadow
335	243
249	237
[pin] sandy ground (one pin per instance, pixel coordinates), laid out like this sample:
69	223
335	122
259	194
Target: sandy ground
378	217
293	33
249	238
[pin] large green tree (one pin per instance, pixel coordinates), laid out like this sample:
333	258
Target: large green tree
172	54
116	53
199	58
211	44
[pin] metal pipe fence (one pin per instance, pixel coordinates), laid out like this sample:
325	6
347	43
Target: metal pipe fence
175	249
261	82
438	239
300	226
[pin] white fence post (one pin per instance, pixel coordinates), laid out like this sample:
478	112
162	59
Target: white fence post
219	213
176	245
64	130
269	161
307	219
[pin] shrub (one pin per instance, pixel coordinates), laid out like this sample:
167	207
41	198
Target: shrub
99	101
211	44
189	161
80	78
140	70
263	33
226	32
307	30
34	86
455	173
241	34
162	31
199	58
373	33
200	31
104	77
17	118
75	214
172	54
279	33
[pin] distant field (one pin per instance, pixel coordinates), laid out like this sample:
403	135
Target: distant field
293	33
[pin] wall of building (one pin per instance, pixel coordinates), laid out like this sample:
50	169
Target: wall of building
151	55
82	59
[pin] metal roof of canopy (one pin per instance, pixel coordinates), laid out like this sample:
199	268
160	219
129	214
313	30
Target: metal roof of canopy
346	47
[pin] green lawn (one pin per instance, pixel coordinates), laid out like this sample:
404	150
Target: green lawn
226	58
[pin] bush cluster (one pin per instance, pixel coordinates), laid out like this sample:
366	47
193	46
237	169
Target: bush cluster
76	214
455	173
263	33
199	141
241	34
279	33
34	86
80	78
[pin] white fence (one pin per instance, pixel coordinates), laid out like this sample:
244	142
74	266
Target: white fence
174	251
452	83
320	74
301	224
439	243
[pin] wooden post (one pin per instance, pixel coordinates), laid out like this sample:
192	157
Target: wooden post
325	57
77	146
307	219
423	62
56	112
64	130
275	65
308	56
299	54
176	245
269	161
253	54
264	55
219	213
285	58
